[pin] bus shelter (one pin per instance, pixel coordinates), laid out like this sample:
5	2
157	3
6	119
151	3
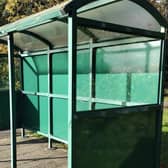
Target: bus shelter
92	78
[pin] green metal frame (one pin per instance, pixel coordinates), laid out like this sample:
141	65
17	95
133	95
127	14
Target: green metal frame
72	70
118	28
49	99
95	45
12	100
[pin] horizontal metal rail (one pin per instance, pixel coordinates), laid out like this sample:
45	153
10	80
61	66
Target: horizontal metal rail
86	99
94	45
52	137
121	110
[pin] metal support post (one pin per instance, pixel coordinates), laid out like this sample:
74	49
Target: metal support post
159	115
23	132
92	80
129	83
12	99
72	72
22	88
49	99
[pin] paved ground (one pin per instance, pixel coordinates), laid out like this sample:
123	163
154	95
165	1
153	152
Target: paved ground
32	152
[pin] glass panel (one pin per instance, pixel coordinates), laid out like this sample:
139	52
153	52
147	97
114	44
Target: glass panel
125	140
125	13
30	113
102	35
60	118
41	63
113	38
60	73
83	66
29	74
83	80
128	75
43	114
28	43
35	69
57	33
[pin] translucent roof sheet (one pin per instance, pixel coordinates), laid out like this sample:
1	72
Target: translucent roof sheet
125	13
28	43
57	33
47	27
102	35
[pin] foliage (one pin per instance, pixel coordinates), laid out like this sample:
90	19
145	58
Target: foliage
12	10
162	6
16	9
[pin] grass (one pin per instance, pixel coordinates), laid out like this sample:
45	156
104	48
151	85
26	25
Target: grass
164	152
165	121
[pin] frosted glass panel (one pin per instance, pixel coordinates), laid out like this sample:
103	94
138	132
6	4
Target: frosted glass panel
28	43
124	12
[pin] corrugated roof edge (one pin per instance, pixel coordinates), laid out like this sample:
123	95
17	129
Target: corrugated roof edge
34	20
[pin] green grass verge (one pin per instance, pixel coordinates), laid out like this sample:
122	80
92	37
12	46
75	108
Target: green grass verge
164	152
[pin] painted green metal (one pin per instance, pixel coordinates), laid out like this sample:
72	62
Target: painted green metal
12	102
22	88
92	80
100	25
100	44
159	118
72	71
50	101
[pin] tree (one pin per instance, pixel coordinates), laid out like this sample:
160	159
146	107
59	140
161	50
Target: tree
12	10
16	9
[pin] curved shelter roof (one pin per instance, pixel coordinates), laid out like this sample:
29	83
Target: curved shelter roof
49	27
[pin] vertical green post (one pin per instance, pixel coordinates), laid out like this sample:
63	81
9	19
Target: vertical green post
49	99
12	99
147	60
128	89
159	114
91	74
22	88
92	80
72	72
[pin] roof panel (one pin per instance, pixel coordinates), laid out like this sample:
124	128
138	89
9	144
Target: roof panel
102	35
57	33
123	12
145	5
28	43
47	24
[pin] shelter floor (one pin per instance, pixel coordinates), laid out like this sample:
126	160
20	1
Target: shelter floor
32	152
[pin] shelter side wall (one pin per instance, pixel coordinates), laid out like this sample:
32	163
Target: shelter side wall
127	74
